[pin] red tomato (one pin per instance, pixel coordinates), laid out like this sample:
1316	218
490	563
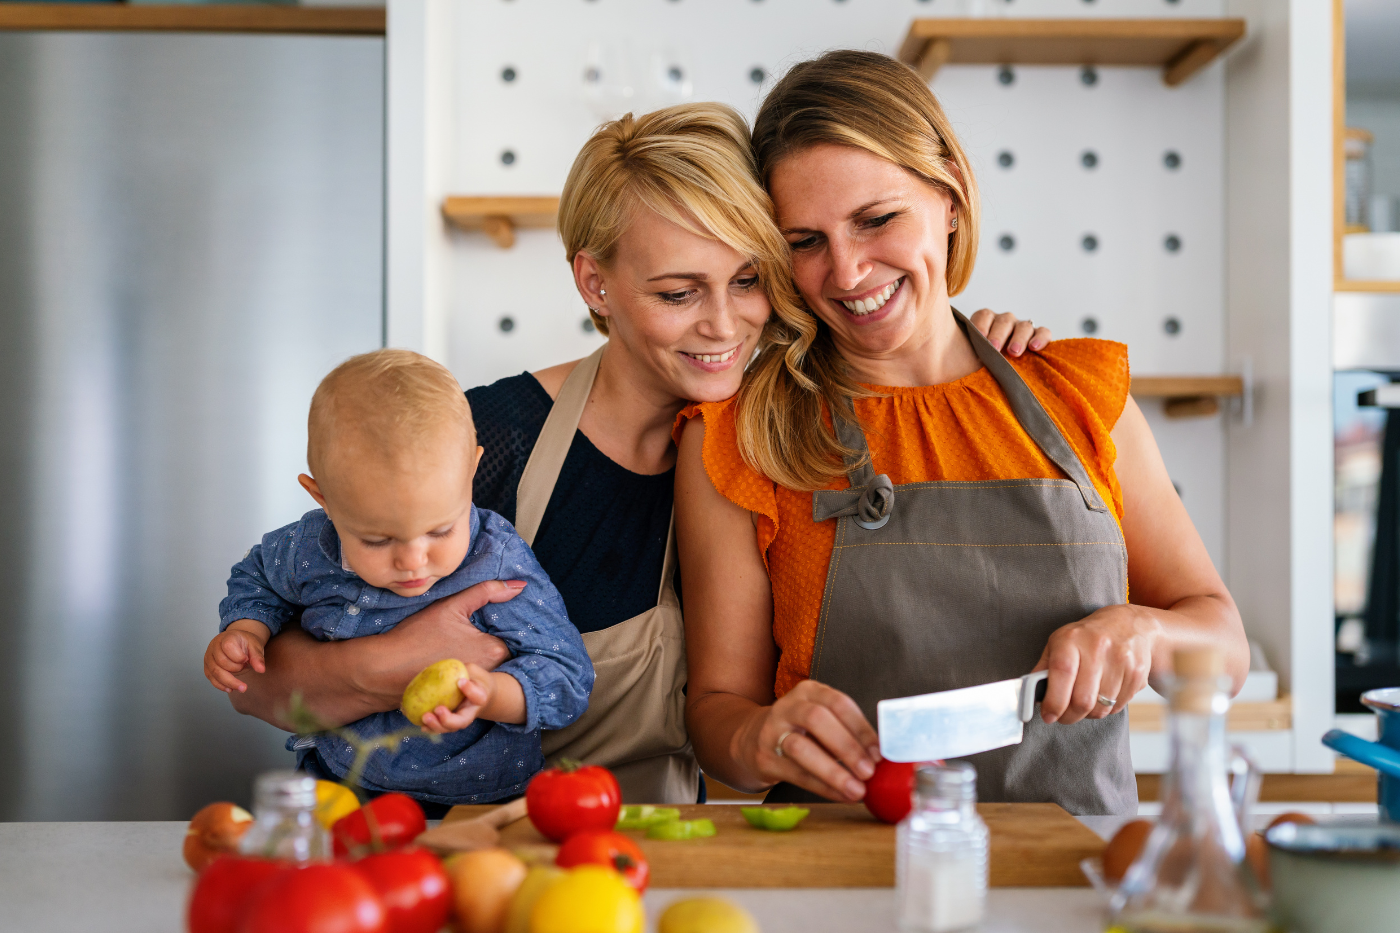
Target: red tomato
413	887
318	897
604	847
222	891
398	820
571	798
889	794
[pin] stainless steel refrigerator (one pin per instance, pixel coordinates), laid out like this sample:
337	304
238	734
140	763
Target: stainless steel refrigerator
191	234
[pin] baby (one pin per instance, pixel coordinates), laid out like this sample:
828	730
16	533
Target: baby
392	453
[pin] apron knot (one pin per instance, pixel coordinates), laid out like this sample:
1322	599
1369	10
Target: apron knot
869	506
876	502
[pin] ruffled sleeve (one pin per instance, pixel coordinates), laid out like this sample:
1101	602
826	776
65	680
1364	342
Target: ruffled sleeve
1088	382
736	480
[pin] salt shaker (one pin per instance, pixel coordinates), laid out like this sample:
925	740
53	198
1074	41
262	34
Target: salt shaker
941	852
284	819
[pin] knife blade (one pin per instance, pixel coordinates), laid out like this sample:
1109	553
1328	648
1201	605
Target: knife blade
958	723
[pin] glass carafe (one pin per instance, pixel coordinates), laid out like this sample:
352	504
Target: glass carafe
941	852
1191	876
284	819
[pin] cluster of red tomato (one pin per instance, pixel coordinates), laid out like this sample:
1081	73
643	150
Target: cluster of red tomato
577	805
395	888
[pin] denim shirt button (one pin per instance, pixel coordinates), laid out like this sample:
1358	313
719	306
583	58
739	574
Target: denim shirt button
353	610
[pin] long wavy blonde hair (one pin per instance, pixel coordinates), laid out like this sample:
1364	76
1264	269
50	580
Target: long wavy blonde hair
871	102
692	164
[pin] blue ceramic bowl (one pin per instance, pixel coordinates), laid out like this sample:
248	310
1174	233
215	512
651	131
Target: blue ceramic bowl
1384	755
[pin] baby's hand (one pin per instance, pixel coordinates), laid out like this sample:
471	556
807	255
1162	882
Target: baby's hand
232	651
478	688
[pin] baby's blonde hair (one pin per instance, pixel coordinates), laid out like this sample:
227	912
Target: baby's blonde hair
388	404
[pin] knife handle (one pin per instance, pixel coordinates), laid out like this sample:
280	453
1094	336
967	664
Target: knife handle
1032	692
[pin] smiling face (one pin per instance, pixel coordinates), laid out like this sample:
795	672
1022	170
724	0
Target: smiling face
687	310
870	250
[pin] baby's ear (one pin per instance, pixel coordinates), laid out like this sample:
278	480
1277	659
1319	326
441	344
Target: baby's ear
311	487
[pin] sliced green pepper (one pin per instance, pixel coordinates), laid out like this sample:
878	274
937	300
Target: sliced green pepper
645	816
682	829
780	820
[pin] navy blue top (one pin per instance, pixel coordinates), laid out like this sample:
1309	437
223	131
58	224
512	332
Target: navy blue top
603	536
297	572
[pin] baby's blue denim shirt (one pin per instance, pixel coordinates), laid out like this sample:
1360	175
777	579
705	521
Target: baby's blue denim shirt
297	572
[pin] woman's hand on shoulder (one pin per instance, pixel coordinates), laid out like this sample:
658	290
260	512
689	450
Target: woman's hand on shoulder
1008	334
814	736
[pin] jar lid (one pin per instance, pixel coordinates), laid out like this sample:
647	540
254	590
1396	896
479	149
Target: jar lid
285	790
1375	843
954	780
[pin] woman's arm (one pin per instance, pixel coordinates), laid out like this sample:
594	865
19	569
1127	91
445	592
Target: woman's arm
1177	596
730	712
342	681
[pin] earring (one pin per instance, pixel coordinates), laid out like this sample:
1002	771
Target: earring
603	292
954	224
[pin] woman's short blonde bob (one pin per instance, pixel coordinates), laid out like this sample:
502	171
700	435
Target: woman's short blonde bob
693	165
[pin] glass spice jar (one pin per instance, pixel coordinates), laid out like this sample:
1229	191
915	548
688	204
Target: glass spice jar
941	851
284	819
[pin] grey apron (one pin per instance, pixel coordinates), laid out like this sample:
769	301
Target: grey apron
940	585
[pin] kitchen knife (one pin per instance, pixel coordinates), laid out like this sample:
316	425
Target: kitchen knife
958	723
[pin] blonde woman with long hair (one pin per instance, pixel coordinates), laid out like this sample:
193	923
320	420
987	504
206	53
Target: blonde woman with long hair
673	249
890	508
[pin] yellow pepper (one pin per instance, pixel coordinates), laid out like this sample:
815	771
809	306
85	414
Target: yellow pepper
588	899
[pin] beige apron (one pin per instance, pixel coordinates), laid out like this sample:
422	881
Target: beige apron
635	722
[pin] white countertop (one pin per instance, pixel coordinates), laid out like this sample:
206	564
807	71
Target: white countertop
120	877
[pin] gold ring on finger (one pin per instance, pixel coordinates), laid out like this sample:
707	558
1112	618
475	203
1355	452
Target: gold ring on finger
778	748
1106	701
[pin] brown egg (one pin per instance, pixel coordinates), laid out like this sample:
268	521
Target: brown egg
1256	852
1292	816
1122	850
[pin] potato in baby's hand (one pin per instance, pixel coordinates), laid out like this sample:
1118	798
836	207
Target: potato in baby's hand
435	685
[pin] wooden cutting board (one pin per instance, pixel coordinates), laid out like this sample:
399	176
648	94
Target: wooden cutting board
843	846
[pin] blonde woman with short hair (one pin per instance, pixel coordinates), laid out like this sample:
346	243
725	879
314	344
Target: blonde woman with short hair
890	508
674	252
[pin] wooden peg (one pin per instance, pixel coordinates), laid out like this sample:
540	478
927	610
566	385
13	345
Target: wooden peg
499	228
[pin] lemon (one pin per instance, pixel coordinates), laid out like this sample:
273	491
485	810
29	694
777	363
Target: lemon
706	915
536	881
435	685
588	899
334	801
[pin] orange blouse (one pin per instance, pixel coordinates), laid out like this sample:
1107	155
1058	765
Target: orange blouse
962	431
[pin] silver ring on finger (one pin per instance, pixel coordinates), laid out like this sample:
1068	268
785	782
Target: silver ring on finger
778	748
1106	701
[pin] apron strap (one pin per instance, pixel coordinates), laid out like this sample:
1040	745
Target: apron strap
1035	420
870	498
552	446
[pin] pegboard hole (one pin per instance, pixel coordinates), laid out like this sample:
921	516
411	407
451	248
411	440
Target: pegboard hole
588	326
1172	326
506	324
1089	243
1005	159
1089	159
1006	75
1007	242
757	75
592	75
675	73
1089	325
507	74
508	157
1172	159
1172	243
1089	75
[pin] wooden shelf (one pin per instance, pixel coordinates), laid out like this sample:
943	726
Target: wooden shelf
499	215
1358	285
1271	716
1350	783
1180	47
1188	396
245	18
